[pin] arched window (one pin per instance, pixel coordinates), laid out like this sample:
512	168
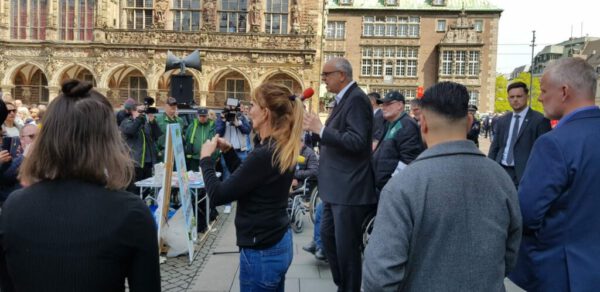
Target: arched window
28	19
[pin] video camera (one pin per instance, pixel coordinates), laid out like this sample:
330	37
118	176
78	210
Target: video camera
231	110
148	108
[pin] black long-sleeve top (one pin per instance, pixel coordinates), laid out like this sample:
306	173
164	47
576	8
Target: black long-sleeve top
69	235
261	192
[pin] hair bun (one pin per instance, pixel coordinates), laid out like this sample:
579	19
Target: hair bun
76	88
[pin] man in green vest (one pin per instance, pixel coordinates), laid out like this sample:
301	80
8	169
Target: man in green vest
197	133
169	117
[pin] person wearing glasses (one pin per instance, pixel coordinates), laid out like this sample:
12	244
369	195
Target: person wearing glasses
400	142
9	126
345	175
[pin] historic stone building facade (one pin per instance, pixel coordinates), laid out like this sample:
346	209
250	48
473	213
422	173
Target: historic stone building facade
121	46
409	45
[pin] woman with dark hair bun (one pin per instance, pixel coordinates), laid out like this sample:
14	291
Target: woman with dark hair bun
72	228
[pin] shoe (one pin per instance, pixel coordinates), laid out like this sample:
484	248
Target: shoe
227	209
310	247
320	255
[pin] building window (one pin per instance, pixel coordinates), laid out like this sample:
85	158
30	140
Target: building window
441	26
478	25
186	15
474	97
391	2
438	2
137	88
276	17
329	56
336	30
233	16
447	57
139	14
345	2
473	63
235	88
76	20
400	61
460	63
391	26
28	24
460	58
408	92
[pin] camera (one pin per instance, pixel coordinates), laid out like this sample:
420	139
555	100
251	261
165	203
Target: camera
231	110
148	108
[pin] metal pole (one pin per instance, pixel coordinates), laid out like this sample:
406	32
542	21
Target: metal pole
531	70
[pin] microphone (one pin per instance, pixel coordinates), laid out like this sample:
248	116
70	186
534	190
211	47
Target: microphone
308	93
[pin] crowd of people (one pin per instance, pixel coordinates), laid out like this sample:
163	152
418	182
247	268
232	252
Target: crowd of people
448	217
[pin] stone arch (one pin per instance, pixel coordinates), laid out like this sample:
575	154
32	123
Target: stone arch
273	74
279	75
162	83
217	86
9	77
29	81
124	81
73	70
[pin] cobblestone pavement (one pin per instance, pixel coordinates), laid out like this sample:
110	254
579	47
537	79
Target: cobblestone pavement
177	273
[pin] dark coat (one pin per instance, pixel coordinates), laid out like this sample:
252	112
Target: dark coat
405	145
132	130
310	167
473	134
345	173
533	127
559	201
378	123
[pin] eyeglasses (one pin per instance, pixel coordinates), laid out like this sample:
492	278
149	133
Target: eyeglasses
12	110
325	74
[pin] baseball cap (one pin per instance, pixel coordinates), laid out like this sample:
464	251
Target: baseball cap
393	96
171	101
202	112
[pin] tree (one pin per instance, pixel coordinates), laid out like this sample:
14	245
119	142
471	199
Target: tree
501	100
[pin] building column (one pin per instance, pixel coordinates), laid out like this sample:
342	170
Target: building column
7	92
52	92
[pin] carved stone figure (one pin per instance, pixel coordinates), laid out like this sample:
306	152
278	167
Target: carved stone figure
160	11
255	16
295	15
208	15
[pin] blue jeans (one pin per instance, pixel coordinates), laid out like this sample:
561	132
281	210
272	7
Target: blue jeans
265	269
317	231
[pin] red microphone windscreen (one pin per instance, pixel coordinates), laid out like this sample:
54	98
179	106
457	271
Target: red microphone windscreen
308	93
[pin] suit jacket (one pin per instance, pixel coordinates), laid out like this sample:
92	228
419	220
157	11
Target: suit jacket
345	173
560	206
534	125
438	229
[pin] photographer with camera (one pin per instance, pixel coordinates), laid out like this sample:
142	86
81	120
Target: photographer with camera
128	107
168	117
141	132
235	129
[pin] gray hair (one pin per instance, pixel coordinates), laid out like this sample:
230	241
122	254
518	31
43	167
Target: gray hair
575	72
342	64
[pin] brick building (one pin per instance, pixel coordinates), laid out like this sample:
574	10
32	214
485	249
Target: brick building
406	44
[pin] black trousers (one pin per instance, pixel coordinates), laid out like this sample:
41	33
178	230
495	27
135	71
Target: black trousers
341	233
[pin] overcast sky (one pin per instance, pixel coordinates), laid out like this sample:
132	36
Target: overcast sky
552	22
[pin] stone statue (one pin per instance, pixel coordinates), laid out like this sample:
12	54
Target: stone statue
160	11
255	16
295	15
208	15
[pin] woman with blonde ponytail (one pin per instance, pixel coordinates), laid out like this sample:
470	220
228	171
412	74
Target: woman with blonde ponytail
260	186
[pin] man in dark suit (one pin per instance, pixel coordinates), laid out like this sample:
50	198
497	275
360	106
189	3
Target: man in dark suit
560	250
345	176
516	133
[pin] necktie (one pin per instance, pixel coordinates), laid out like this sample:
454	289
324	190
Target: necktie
510	158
